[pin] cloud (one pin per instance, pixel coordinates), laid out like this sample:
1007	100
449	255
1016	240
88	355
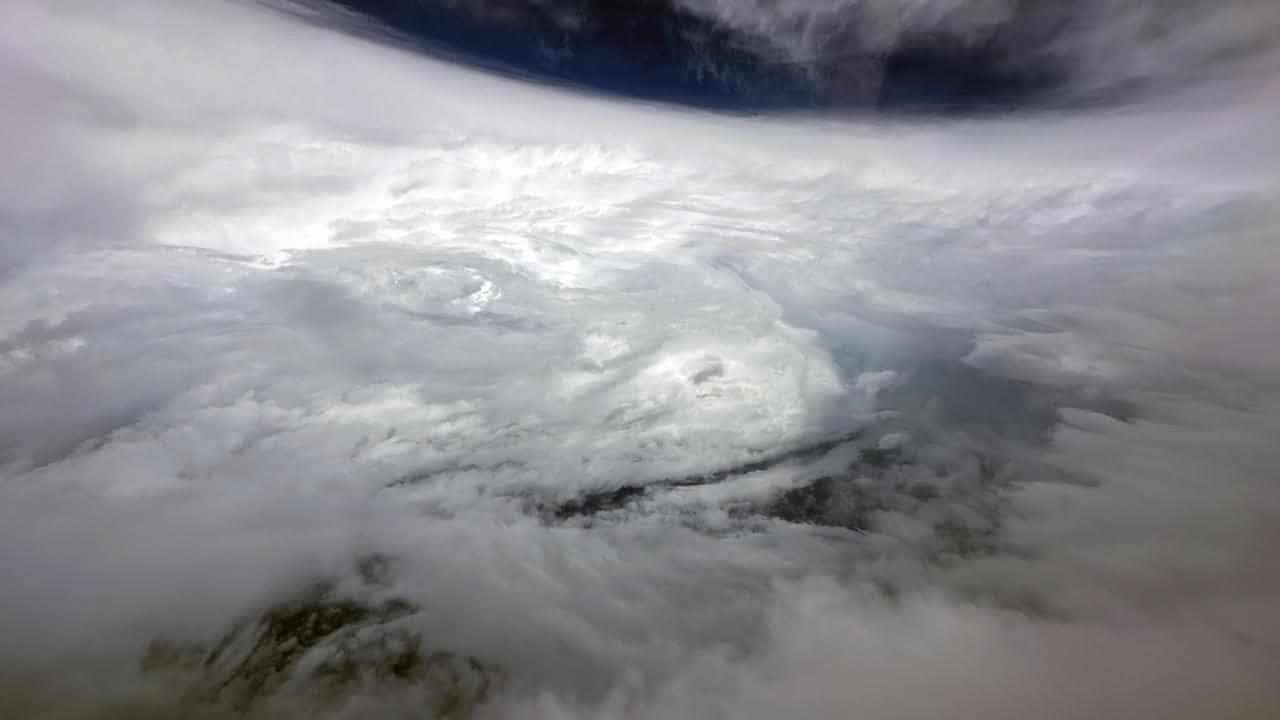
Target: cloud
276	298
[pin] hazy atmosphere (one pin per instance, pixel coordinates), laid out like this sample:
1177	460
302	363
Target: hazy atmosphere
864	359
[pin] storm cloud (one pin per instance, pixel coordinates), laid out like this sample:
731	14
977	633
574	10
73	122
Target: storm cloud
612	409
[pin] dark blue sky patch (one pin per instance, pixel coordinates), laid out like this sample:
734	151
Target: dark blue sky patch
654	50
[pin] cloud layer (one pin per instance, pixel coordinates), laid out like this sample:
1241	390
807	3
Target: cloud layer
274	299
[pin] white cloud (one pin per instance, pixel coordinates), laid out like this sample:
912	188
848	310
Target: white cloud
273	297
